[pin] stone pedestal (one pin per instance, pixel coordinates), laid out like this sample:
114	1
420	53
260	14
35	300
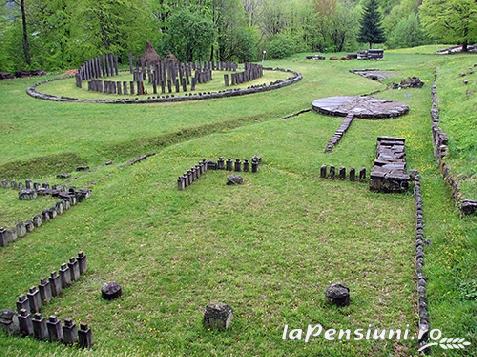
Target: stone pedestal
218	316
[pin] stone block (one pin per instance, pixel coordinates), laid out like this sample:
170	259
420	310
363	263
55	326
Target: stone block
65	276
82	261
45	290
34	298
9	322
73	265
40	331
26	324
55	284
85	336
70	332
55	330
218	316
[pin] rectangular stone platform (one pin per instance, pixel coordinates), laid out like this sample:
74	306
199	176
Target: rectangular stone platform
389	173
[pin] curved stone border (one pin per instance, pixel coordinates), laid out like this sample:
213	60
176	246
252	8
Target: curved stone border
33	92
441	149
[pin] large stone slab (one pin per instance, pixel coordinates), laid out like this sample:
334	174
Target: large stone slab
360	107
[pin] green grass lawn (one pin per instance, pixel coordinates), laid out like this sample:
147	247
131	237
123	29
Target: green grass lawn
268	248
14	210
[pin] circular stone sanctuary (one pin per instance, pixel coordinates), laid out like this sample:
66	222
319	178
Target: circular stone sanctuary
360	107
151	78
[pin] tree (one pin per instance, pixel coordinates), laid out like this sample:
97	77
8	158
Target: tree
190	34
26	44
407	33
450	20
370	30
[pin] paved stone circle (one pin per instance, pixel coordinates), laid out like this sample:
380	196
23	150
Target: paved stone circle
360	107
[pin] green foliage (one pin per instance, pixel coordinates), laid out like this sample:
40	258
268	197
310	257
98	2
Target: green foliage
370	30
406	33
280	46
190	34
450	20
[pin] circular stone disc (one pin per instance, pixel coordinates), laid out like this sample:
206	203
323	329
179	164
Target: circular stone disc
360	107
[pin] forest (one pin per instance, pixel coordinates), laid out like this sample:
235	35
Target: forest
60	34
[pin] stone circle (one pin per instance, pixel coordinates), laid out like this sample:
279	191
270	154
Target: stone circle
360	107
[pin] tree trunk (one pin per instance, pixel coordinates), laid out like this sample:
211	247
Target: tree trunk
464	46
26	45
370	45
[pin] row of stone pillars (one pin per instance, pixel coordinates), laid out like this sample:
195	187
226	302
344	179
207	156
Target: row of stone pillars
67	199
332	173
102	66
195	172
28	320
252	71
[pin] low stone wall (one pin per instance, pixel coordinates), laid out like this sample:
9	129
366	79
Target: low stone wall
195	172
34	93
330	172
28	320
389	172
67	197
346	123
441	150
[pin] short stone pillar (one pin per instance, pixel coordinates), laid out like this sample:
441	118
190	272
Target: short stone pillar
23	303
45	290
4	237
111	290
362	174
40	331
26	324
323	170
221	164
352	174
21	229
65	276
238	165
181	183
254	166
229	165
85	336
338	294
34	299
9	322
55	331
332	172
73	264
218	316
37	221
342	173
70	332
82	262
55	284
246	165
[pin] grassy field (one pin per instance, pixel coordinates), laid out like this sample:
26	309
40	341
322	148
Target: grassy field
13	210
268	248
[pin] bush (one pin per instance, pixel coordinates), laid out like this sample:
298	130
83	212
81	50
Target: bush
280	46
